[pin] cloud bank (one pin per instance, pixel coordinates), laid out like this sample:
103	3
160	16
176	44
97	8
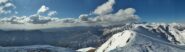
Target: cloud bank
103	16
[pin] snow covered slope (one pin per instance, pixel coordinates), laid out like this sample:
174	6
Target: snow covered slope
117	40
147	38
114	38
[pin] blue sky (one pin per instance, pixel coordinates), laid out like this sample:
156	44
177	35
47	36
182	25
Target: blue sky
148	10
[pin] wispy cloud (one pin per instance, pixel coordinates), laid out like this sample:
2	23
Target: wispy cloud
51	13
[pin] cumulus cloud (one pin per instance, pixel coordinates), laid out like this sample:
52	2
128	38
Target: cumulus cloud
104	17
122	15
105	8
43	9
83	17
6	6
33	19
51	13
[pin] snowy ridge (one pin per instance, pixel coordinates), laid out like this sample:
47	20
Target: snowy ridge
147	38
117	40
173	32
109	30
131	37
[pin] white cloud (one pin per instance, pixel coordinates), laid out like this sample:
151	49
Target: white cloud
103	18
105	8
6	6
3	1
83	17
51	13
33	19
9	5
43	9
126	15
120	16
105	15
